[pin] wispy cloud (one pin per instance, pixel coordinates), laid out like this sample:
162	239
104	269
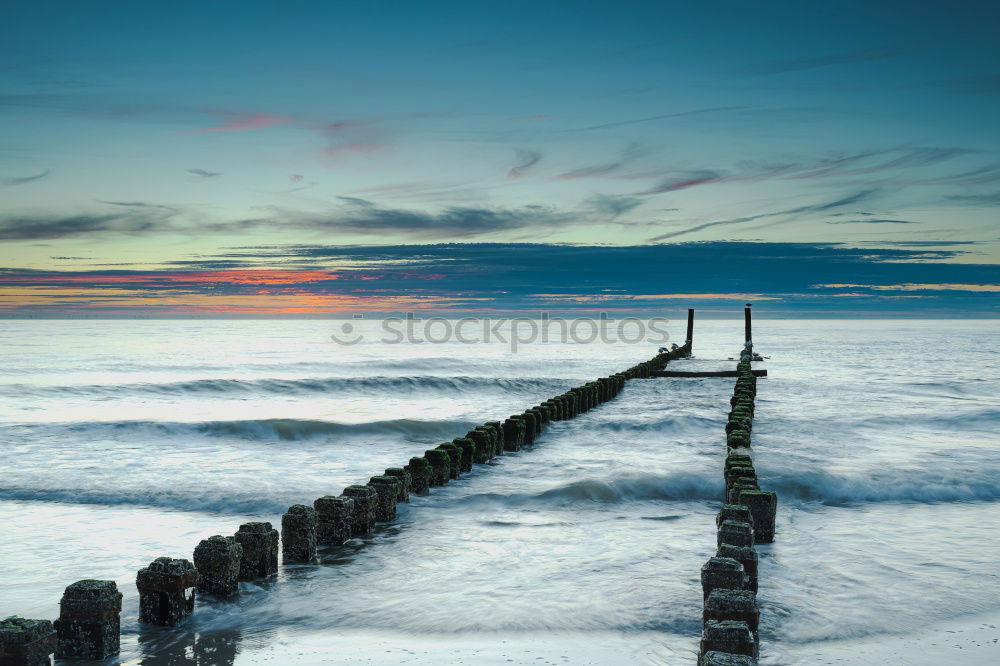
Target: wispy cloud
846	200
525	160
990	199
828	60
849	166
203	173
38	227
23	180
872	220
662	116
631	152
613	206
241	122
366	218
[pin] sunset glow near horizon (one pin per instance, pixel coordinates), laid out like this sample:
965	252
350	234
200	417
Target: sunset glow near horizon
328	158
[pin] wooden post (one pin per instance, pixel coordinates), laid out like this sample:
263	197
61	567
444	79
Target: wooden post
746	323
690	332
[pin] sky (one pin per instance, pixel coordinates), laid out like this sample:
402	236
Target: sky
307	158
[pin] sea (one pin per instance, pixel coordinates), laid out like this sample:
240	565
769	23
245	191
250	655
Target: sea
126	440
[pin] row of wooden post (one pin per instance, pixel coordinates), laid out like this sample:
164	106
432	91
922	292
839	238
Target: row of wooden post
731	617
89	624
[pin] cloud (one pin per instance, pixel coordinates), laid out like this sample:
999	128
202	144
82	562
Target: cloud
613	206
241	122
874	220
662	116
631	152
38	227
525	160
23	180
689	179
128	217
817	208
365	218
202	173
816	62
525	277
991	199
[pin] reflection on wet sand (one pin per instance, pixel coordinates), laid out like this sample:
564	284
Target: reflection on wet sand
168	647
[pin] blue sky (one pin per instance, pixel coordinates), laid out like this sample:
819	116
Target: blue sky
146	136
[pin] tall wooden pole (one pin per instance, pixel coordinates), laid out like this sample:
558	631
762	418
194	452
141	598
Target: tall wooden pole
746	323
690	333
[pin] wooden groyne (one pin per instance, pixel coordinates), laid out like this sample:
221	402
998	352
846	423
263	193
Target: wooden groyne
88	626
731	616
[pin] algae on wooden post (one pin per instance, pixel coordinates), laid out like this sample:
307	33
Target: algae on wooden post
333	519
363	520
89	624
217	560
298	534
260	550
166	591
420	475
722	573
25	642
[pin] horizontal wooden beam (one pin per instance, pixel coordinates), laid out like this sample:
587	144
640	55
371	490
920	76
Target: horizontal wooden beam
720	373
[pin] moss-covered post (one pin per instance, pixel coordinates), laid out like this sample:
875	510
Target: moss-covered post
298	534
166	591
483	446
89	624
363	520
333	519
730	636
404	480
454	459
498	433
763	507
386	491
745	555
492	441
738	605
217	560
468	449
260	550
25	642
420	475
530	429
722	573
714	658
440	463
513	434
735	533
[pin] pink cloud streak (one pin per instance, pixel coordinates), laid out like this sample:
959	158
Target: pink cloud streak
241	122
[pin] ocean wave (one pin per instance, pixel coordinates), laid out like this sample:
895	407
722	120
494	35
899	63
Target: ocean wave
223	387
669	423
905	417
679	486
253	429
237	503
960	483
